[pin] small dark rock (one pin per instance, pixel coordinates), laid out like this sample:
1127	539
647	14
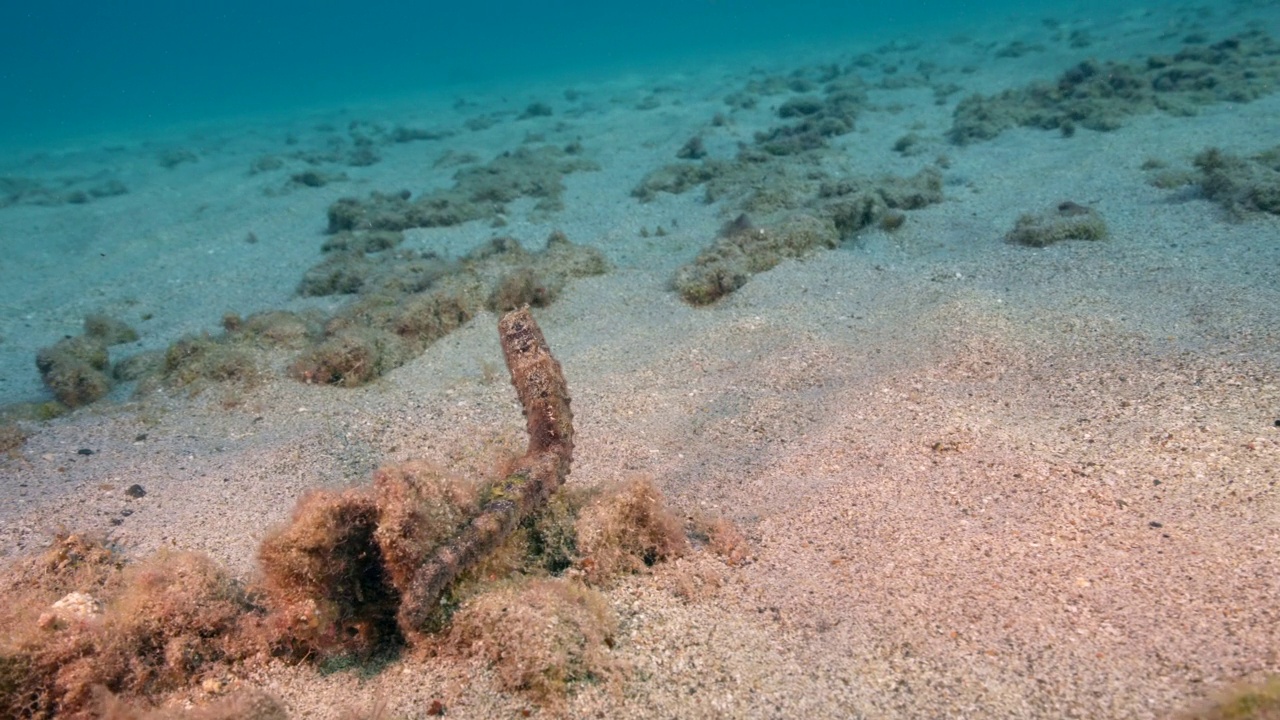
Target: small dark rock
1155	524
84	451
126	512
135	491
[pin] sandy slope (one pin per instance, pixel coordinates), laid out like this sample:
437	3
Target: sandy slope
978	480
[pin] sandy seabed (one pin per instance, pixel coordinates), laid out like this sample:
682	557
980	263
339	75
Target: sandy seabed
977	479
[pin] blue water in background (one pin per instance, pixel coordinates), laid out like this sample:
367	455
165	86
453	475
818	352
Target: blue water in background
74	68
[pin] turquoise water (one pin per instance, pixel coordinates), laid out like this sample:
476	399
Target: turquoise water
74	68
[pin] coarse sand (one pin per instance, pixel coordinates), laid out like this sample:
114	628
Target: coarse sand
975	479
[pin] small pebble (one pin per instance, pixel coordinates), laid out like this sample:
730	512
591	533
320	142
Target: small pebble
1155	524
84	451
135	491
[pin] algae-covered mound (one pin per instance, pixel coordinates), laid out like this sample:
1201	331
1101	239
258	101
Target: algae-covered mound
77	368
478	193
363	262
813	120
1064	221
742	250
1101	95
857	203
540	636
625	530
394	319
804	216
403	301
1241	184
786	179
678	178
63	191
79	625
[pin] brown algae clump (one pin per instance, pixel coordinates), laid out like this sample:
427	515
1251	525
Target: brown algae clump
419	507
540	636
144	632
324	576
626	530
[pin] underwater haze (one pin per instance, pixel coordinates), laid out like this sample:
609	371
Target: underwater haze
71	68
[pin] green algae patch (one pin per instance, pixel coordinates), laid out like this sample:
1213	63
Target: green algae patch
1101	95
676	179
109	330
77	369
814	120
204	357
